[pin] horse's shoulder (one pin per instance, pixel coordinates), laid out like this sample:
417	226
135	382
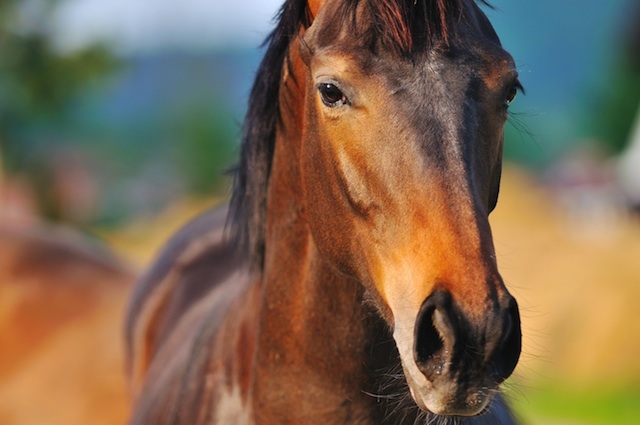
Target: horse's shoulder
193	262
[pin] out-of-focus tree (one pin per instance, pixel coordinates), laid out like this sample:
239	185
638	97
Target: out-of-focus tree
37	81
207	148
619	104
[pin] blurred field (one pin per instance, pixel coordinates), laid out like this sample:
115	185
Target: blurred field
577	278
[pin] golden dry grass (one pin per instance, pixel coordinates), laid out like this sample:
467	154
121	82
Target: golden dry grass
141	239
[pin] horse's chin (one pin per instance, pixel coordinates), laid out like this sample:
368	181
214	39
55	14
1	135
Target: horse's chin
442	399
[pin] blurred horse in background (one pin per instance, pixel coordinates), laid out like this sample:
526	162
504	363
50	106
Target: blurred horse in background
366	288
61	302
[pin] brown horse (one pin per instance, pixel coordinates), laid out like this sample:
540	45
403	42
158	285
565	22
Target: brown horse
61	302
367	276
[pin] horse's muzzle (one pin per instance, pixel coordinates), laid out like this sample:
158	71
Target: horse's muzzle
466	359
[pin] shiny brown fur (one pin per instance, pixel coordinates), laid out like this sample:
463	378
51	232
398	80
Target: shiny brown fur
366	290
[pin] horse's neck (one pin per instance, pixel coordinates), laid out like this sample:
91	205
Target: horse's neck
312	326
312	334
311	344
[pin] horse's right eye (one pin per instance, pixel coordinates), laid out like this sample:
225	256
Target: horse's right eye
512	92
332	96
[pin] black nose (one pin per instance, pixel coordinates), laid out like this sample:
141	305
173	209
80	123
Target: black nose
506	355
449	346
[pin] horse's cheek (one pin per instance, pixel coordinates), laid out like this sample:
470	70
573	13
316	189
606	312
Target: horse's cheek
329	224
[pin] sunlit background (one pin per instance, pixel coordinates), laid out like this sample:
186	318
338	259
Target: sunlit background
119	120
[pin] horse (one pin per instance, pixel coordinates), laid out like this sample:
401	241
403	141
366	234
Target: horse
62	297
352	278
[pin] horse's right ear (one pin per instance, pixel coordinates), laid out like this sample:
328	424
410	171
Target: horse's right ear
315	6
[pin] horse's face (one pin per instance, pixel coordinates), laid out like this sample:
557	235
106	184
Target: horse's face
401	164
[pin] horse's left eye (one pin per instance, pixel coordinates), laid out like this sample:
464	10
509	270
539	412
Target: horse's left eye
331	95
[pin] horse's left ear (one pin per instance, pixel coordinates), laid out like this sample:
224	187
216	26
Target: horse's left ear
315	6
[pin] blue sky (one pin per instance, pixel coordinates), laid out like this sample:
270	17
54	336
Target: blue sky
147	24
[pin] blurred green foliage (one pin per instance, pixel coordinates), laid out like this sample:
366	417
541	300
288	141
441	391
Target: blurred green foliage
593	406
206	149
138	138
618	105
37	82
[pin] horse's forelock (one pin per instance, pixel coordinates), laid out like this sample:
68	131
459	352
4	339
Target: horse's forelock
405	26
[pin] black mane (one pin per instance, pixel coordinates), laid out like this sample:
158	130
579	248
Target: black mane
405	26
247	211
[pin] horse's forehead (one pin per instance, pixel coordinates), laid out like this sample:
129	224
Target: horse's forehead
486	61
474	48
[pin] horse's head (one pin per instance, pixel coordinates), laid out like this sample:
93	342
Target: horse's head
406	101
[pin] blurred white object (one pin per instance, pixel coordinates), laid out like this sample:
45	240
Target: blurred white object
628	166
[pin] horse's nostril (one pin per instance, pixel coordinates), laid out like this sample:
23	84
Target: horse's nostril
508	352
433	335
428	341
446	344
